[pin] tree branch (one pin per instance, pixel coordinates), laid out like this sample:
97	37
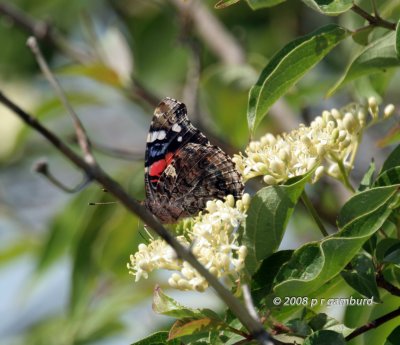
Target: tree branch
384	284
373	324
41	30
94	171
81	135
375	20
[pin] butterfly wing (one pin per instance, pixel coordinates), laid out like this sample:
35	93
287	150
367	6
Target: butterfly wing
183	170
197	174
170	130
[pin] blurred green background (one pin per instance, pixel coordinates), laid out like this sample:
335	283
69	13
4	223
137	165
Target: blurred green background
63	276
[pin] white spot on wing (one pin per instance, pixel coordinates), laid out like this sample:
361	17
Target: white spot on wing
179	138
156	135
176	128
161	135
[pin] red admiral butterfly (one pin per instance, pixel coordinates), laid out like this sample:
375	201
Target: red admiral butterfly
182	169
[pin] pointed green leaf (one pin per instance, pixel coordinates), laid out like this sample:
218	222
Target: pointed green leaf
225	3
392	137
368	178
388	177
257	4
287	67
330	7
268	214
323	321
186	327
165	305
325	337
159	338
393	160
376	57
316	263
392	255
361	36
362	277
97	71
261	284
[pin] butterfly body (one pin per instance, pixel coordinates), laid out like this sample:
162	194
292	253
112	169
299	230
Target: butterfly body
183	170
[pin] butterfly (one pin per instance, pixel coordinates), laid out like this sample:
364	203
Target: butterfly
183	170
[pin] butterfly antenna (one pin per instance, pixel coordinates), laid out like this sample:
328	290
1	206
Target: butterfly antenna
102	203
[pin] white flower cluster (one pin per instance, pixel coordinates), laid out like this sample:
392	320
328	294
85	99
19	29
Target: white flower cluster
328	145
213	238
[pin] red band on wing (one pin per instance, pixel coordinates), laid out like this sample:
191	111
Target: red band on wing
157	168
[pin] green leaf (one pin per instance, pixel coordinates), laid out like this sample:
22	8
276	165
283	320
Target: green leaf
394	337
325	337
361	36
97	71
323	321
362	277
159	338
268	214
165	305
299	327
225	3
261	284
316	263
392	255
257	4
398	39
368	178
287	67
393	160
383	247
392	137
187	327
388	177
376	57
329	7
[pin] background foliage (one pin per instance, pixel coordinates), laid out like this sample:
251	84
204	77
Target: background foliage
63	273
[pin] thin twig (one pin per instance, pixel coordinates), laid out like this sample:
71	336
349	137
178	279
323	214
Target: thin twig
42	168
310	207
373	20
79	129
253	326
384	284
41	30
373	324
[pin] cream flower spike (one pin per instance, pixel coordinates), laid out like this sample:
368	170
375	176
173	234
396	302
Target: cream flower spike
213	238
327	145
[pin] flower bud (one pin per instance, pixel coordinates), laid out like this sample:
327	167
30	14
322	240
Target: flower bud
336	114
230	200
319	172
350	123
246	199
268	179
388	111
334	170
